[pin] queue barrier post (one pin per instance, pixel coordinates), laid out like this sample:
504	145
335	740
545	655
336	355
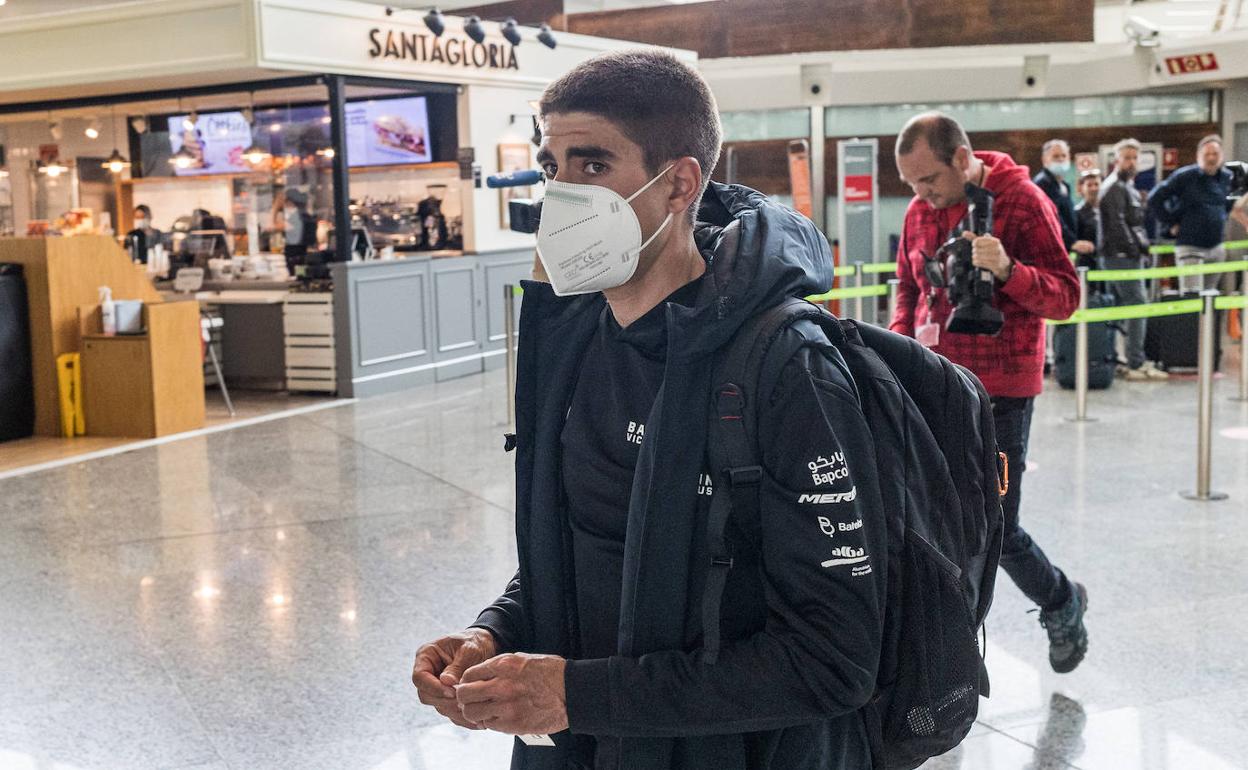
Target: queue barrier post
1243	340
894	285
1081	353
1204	428
858	285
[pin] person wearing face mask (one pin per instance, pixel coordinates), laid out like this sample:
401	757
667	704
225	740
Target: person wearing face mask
596	647
1193	204
1033	280
1055	156
1124	246
143	224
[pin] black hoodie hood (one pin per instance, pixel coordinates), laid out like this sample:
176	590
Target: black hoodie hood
758	253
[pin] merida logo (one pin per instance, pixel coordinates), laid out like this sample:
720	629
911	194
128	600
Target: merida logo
846	554
828	498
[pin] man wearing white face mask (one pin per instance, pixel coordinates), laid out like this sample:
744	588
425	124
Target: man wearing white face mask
1055	156
596	647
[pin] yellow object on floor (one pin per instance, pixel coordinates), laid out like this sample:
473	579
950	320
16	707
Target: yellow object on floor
69	383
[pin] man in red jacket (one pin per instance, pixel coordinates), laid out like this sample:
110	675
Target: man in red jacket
1034	280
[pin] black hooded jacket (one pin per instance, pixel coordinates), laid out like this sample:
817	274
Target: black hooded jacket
801	648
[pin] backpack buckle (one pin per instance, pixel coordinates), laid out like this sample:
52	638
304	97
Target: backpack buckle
750	475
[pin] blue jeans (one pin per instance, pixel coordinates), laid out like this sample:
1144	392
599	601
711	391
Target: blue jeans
1130	293
1021	558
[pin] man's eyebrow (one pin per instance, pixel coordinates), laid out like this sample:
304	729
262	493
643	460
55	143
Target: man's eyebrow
591	152
544	155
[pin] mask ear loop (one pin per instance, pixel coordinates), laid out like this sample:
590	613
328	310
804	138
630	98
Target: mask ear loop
666	220
646	186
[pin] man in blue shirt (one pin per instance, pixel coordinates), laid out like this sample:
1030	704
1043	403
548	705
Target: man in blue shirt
1192	204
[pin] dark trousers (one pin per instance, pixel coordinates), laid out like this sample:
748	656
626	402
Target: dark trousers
1021	558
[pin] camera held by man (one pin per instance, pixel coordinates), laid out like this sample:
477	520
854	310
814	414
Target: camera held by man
969	288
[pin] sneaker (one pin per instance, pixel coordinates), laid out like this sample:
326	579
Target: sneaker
1068	638
1153	372
1138	374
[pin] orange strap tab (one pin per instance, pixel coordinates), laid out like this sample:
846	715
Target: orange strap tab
1003	483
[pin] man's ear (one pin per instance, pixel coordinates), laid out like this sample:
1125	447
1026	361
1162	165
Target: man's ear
686	176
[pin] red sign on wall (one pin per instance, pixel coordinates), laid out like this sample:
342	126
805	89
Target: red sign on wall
858	188
1187	65
1170	158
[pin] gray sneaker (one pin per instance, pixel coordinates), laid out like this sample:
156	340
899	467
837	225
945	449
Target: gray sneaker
1068	638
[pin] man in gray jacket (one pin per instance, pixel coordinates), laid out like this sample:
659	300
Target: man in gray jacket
1124	246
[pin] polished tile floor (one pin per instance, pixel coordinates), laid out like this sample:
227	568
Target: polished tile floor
252	599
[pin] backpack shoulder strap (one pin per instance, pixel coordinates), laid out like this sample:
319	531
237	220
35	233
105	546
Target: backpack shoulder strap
733	446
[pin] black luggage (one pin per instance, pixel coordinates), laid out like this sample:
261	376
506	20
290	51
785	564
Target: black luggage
1174	341
17	397
1102	358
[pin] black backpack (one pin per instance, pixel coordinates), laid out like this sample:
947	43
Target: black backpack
936	450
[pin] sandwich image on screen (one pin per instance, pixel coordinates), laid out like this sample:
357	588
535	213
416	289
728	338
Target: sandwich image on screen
382	132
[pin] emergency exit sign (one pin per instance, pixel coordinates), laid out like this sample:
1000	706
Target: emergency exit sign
1191	64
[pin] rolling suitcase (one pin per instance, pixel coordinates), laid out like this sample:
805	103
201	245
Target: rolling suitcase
1102	359
1174	341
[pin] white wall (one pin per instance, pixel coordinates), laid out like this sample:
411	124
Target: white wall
489	110
1234	112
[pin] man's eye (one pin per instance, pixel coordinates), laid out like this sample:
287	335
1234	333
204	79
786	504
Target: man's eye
550	169
594	168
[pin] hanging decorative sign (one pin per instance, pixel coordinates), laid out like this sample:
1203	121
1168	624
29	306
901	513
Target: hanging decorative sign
452	51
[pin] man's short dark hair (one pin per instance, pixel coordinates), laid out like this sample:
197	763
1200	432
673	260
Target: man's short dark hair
146	211
659	102
941	132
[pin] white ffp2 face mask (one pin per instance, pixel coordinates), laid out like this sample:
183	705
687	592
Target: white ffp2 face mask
589	238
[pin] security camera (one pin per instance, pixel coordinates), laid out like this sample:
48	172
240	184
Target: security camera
1141	32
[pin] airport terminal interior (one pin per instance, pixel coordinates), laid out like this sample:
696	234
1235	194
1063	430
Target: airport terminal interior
260	323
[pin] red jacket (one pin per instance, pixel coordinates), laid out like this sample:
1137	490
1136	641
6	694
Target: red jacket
1042	285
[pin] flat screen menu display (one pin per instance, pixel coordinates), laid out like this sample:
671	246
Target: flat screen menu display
216	142
386	132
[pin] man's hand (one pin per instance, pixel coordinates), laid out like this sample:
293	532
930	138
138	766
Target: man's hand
988	253
518	694
1174	231
440	664
1083	247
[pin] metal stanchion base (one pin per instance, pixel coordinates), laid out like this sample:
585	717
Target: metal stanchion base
1210	498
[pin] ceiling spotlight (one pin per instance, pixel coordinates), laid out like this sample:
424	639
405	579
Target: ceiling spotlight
546	37
93	129
274	128
54	128
249	115
511	32
116	162
190	120
326	152
474	29
138	124
435	22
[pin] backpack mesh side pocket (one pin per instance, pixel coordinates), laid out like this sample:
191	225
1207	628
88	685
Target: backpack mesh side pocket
934	697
